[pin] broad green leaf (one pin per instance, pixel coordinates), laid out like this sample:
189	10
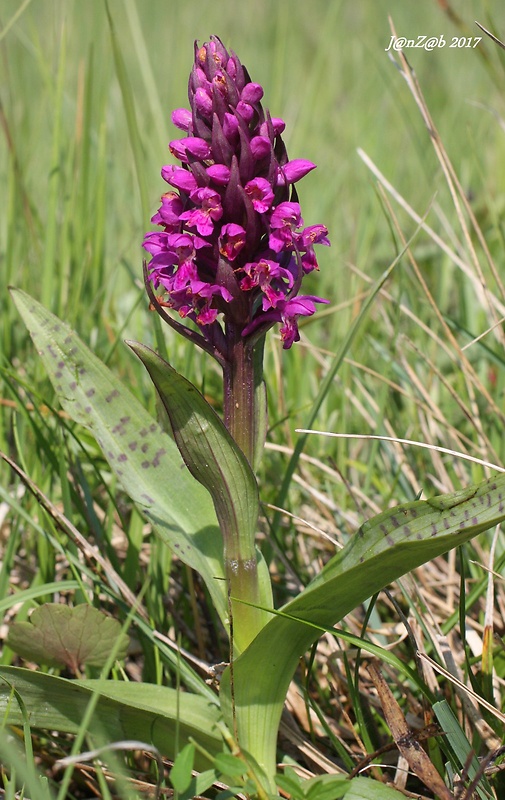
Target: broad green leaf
389	545
366	789
61	635
327	787
143	457
215	460
291	784
333	787
199	784
154	714
181	772
207	448
230	765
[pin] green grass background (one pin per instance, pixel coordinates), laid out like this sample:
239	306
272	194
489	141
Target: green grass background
84	130
83	140
79	179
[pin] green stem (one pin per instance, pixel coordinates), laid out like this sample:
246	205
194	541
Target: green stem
240	417
239	392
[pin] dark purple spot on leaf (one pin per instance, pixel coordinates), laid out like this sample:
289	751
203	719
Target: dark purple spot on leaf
88	409
124	420
122	457
132	446
73	385
394	522
90	392
407	531
434	529
153	427
145	447
475	520
145	464
143	432
158	455
111	396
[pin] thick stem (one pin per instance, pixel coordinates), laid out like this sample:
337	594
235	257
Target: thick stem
239	392
246	621
241	418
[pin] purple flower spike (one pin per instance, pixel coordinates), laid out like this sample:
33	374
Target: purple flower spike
233	251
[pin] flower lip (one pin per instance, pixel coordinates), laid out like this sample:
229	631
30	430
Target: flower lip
260	193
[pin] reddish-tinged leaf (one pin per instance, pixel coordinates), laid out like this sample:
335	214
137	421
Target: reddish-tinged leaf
62	635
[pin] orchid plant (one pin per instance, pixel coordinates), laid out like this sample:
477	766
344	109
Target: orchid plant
231	258
227	264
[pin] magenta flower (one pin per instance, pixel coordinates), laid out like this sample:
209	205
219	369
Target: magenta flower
261	194
233	239
205	212
233	248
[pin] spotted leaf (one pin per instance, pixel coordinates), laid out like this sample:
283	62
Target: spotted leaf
143	457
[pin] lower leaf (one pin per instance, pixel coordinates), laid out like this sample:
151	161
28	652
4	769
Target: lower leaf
385	548
157	715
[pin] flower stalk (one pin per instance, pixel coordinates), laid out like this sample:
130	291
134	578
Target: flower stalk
239	395
229	260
